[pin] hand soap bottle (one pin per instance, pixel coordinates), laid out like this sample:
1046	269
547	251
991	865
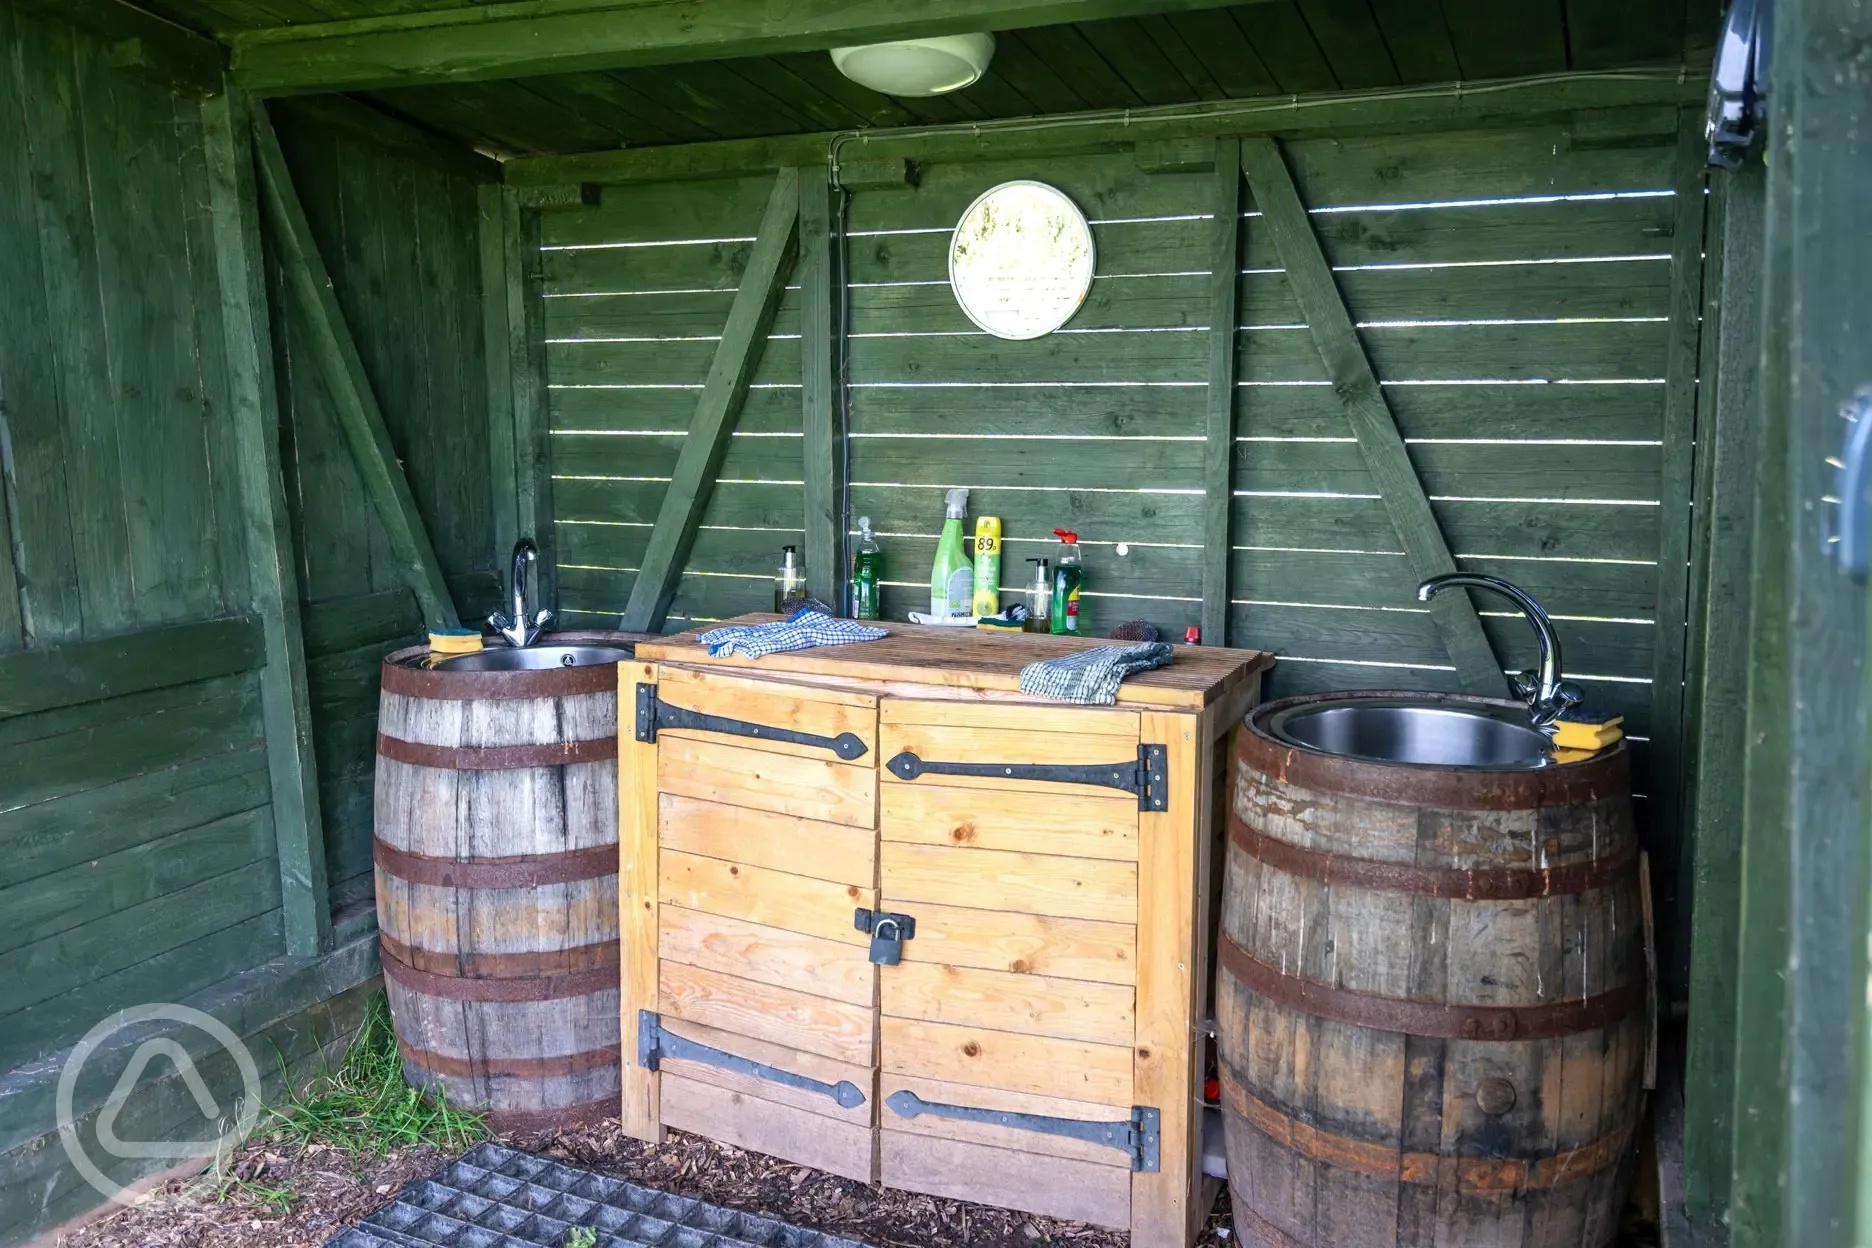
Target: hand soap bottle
1068	577
952	576
789	587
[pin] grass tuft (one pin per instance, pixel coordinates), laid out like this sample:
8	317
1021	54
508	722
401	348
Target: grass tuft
366	1106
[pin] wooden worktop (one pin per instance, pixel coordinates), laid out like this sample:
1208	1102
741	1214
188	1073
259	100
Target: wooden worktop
976	659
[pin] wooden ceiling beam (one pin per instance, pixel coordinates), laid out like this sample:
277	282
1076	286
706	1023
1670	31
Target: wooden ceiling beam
511	40
1579	96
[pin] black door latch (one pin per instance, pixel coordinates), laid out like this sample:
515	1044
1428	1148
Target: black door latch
654	713
887	931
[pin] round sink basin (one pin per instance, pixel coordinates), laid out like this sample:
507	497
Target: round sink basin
535	658
1422	730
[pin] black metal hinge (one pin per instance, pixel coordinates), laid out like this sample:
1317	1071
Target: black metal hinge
654	1044
1148	778
1140	1135
654	713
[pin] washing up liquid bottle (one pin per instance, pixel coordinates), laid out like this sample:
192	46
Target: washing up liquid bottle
867	573
1068	577
952	576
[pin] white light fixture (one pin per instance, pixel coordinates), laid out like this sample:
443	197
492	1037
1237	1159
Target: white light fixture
917	67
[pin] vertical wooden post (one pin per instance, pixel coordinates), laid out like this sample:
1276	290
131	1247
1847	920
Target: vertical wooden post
292	768
821	308
1356	383
1219	450
1728	449
12	622
743	339
1164	1070
503	458
342	370
641	1111
526	367
1664	784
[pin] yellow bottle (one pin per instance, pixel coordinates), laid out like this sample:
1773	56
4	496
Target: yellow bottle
987	566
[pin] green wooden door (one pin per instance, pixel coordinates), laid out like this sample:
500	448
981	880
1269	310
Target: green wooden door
1803	1143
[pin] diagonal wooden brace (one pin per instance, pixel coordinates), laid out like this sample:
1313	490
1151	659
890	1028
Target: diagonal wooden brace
1356	384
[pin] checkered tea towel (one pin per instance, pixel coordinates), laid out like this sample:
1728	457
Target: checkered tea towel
800	631
1092	676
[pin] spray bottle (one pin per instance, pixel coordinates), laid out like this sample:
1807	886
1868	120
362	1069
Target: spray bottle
987	599
952	576
1068	577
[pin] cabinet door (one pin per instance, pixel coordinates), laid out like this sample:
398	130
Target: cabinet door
1017	993
765	848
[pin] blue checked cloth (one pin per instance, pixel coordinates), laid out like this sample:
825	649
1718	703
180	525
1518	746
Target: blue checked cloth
1092	677
802	630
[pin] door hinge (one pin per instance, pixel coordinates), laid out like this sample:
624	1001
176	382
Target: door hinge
654	1043
654	713
1148	777
1140	1136
887	931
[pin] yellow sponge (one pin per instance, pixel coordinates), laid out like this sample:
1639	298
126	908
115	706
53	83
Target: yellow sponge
451	642
1585	729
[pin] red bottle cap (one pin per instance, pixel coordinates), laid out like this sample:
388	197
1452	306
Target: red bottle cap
1066	535
1192	636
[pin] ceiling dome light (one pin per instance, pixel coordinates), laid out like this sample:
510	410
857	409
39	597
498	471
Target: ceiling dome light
917	67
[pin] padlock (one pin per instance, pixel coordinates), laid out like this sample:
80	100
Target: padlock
887	932
887	939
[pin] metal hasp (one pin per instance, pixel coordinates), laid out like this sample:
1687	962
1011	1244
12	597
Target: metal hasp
1146	778
887	932
654	1044
654	713
1140	1135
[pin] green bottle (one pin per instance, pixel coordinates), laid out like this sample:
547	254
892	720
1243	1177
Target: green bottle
867	573
952	576
1068	577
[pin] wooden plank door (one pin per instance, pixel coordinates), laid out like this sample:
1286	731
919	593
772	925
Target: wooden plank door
764	849
1017	991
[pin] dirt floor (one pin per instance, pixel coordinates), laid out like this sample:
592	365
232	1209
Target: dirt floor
275	1197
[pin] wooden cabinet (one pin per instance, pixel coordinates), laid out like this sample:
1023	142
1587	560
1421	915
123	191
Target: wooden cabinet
1034	1041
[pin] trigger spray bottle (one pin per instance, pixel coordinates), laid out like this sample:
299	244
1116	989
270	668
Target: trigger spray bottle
952	576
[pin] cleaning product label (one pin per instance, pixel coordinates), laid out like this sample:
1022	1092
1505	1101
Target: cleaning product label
961	593
1072	609
987	597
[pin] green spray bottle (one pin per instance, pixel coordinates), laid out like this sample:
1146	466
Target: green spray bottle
952	576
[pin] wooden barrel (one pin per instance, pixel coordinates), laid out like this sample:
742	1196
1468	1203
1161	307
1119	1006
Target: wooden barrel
496	854
1430	999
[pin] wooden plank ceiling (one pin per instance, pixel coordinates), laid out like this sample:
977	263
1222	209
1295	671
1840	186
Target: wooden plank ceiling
1275	47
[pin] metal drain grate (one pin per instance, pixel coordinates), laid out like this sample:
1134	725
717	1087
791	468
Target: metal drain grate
496	1197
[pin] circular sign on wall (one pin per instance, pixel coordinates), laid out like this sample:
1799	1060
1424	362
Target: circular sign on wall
1021	259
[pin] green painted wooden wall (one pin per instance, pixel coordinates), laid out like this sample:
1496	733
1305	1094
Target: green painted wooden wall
136	840
1512	286
400	240
138	853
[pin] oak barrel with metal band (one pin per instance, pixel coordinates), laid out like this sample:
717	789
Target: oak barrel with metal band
496	856
1430	998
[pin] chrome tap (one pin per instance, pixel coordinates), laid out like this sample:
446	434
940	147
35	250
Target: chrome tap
516	629
1546	695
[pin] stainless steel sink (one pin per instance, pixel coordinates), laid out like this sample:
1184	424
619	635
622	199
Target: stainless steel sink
1432	731
535	658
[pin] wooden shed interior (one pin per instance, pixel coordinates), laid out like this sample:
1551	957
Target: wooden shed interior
309	309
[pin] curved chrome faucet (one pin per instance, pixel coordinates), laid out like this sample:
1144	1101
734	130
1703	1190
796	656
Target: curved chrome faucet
1545	693
516	630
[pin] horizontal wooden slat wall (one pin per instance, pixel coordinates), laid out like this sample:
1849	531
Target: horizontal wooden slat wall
1512	289
635	295
399	237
